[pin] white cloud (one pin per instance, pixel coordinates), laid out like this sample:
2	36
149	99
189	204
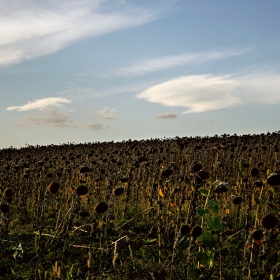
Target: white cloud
161	63
50	117
200	93
166	116
29	29
259	88
107	114
40	104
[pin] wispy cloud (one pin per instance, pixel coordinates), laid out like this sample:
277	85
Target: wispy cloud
107	114
162	63
40	104
96	126
200	93
50	117
94	92
166	116
262	88
29	29
31	120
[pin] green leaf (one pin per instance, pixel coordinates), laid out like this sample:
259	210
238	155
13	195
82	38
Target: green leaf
204	192
202	257
214	223
211	256
213	206
194	273
206	258
209	223
217	223
278	237
201	212
183	244
208	239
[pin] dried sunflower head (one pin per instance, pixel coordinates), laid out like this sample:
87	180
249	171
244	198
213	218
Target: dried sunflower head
54	187
118	191
82	190
196	231
185	229
269	221
101	207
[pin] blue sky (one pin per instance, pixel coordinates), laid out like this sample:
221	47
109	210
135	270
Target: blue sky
86	71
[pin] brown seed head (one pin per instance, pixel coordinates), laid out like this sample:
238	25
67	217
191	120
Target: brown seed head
85	169
101	208
167	172
237	200
269	221
257	234
197	167
221	188
258	184
255	172
8	193
124	179
82	190
245	180
203	174
273	179
118	191
54	187
196	231
185	229
4	208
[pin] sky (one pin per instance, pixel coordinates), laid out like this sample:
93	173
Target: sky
78	71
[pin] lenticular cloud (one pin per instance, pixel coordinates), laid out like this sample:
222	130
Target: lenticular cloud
198	93
201	93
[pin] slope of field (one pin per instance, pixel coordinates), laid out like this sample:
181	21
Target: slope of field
180	208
